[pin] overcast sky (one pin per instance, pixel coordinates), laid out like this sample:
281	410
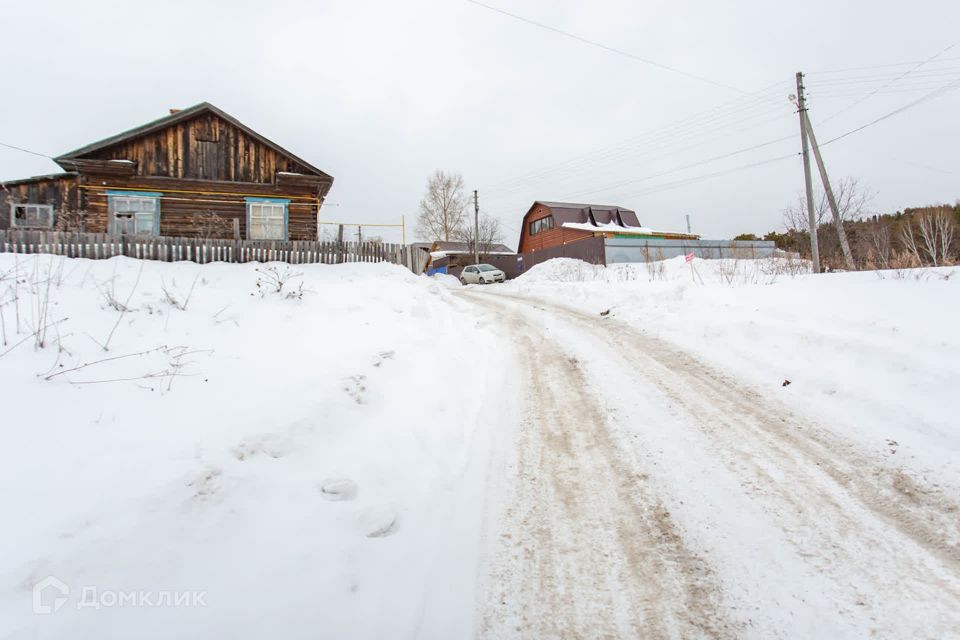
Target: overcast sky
381	93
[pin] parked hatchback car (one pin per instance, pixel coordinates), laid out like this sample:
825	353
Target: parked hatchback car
481	274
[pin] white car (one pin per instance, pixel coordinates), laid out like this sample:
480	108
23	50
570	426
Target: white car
481	274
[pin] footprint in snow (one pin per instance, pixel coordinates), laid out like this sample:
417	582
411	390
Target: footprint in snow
337	489
269	446
383	355
378	522
206	484
355	386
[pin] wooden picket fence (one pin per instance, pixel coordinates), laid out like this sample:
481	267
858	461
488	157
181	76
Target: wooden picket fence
99	246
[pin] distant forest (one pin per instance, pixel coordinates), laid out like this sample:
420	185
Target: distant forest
914	237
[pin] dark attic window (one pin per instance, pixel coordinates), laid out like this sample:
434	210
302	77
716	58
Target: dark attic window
543	224
32	216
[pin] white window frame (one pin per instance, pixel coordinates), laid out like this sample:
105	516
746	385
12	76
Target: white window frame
263	210
115	199
46	208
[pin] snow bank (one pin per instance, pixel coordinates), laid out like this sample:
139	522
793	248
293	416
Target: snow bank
446	280
872	355
270	436
677	269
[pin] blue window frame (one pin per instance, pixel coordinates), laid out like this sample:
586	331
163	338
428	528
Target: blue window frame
267	218
134	212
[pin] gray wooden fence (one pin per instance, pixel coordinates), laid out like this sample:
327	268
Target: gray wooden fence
98	246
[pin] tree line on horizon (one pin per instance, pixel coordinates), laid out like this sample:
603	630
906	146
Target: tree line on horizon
920	236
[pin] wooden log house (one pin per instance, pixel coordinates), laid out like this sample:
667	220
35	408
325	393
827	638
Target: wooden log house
196	172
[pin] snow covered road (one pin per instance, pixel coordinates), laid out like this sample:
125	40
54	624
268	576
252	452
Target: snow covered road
583	452
647	494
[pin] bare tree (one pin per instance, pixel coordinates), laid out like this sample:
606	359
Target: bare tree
441	214
880	242
936	232
909	241
490	234
852	199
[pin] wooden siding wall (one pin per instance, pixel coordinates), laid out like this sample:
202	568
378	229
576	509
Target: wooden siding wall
61	192
182	199
202	148
555	237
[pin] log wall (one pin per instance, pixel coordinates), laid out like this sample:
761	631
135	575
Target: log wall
203	148
183	199
60	191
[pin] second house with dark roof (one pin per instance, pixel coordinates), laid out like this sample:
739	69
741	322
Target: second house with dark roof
195	172
553	224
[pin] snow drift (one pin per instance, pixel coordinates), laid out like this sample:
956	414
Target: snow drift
268	435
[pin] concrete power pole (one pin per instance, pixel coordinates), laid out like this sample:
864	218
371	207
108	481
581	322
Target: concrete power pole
476	227
837	220
807	178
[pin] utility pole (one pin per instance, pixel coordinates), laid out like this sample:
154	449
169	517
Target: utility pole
689	232
807	178
837	220
476	227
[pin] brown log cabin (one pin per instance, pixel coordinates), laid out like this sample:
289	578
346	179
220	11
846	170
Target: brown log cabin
195	172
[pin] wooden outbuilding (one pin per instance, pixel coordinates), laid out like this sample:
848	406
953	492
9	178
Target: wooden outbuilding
195	172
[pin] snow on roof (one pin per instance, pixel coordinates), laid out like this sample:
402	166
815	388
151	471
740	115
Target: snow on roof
615	228
436	255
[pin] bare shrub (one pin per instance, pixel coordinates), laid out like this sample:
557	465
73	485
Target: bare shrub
173	299
656	270
210	225
273	280
173	367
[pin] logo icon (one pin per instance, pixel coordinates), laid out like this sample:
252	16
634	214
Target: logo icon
52	585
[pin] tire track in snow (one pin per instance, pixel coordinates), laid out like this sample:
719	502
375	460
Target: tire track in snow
586	550
877	532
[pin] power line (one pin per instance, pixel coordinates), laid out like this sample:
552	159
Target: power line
605	47
685	181
879	66
877	79
36	153
926	98
652	140
700	141
899	77
685	167
889	92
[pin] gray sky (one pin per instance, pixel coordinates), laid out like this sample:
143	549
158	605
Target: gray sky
379	94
